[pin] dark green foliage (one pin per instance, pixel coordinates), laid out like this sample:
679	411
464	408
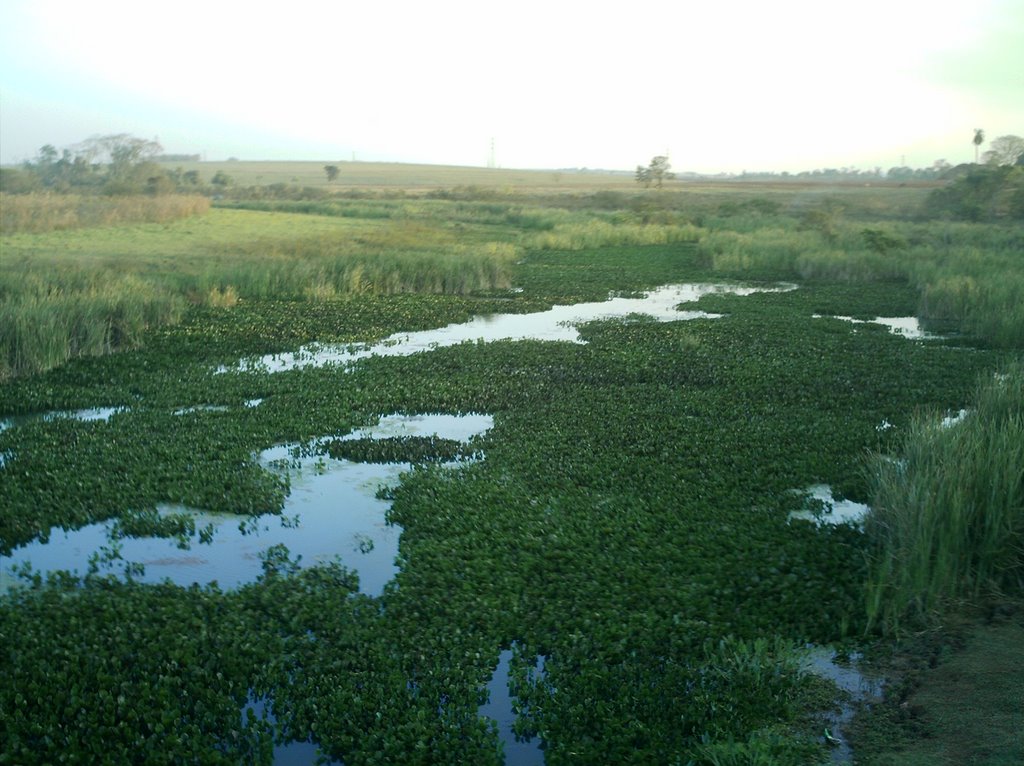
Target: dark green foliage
116	673
404	449
983	193
757	205
881	242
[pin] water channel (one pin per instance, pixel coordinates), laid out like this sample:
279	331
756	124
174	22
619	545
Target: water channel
558	323
858	686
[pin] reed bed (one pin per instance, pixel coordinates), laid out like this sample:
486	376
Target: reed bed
56	212
970	277
948	510
325	267
597	233
46	324
54	307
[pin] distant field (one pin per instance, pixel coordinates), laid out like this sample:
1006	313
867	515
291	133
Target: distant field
393	175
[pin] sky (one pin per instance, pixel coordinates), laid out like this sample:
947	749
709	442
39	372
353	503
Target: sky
719	87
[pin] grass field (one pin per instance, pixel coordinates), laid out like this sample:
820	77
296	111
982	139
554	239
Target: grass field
624	524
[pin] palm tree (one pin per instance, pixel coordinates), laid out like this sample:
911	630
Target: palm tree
979	139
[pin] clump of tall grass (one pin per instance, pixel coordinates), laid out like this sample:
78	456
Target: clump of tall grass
52	212
978	291
736	253
598	233
970	276
405	259
222	297
791	252
947	519
47	323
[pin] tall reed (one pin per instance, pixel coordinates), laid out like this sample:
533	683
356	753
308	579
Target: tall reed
397	260
947	519
598	233
53	308
44	327
970	276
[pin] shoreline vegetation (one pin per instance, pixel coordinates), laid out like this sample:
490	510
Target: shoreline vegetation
62	299
626	520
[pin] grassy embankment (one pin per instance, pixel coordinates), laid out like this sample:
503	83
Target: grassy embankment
54	212
96	290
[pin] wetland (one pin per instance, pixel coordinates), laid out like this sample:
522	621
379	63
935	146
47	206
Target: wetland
571	513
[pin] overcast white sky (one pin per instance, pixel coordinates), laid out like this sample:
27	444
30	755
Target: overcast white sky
724	86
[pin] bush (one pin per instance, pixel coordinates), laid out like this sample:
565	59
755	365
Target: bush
984	193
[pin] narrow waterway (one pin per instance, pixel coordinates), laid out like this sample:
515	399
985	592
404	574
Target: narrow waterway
858	686
558	323
500	709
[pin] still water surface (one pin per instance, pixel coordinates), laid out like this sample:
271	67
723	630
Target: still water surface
556	324
332	511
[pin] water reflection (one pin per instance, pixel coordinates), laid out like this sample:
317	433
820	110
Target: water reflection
332	512
822	507
288	753
556	324
94	413
499	708
858	686
907	327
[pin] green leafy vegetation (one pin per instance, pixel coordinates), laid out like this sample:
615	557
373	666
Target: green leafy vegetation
405	449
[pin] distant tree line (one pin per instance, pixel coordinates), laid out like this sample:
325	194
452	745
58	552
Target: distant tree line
176	158
116	164
850	174
984	192
981	193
